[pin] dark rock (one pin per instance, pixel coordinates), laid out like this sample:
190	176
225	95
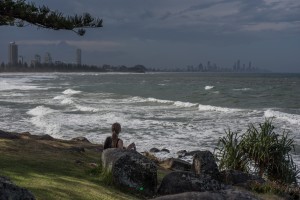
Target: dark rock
44	137
10	191
154	150
80	139
25	134
230	194
234	177
192	153
130	170
204	163
165	150
180	181
181	153
77	149
176	164
9	135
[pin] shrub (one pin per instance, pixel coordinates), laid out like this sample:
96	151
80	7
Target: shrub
261	148
230	152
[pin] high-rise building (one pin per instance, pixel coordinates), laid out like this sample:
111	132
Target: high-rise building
48	58
13	53
78	56
37	58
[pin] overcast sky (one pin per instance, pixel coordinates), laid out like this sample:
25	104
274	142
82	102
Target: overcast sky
171	33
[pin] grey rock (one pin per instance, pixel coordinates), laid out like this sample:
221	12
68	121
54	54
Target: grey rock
131	170
154	150
9	191
192	153
204	163
177	164
181	153
230	194
180	181
80	139
166	150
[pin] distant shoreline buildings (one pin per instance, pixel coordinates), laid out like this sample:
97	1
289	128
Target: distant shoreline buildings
48	65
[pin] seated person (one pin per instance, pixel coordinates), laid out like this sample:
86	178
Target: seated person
114	141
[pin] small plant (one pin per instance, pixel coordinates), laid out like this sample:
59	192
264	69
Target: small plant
230	152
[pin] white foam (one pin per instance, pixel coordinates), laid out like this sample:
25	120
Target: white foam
40	111
60	97
87	109
242	89
12	85
209	87
159	100
67	101
217	109
70	92
291	118
184	104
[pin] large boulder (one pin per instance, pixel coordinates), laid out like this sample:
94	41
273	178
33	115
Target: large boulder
181	181
12	192
230	194
234	177
130	170
176	164
204	163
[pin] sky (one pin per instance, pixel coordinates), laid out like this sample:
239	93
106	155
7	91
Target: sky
170	33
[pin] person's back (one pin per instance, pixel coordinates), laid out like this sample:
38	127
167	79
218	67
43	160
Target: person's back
114	141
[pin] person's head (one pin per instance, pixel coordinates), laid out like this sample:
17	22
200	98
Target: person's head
116	128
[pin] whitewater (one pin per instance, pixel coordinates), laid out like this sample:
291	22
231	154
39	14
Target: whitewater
177	111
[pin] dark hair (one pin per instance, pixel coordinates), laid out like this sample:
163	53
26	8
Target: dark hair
115	129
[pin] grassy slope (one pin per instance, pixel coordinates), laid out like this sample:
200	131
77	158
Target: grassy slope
48	169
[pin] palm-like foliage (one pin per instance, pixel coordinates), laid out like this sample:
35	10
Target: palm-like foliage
17	12
230	152
269	153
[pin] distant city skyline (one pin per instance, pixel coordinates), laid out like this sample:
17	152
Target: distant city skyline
171	33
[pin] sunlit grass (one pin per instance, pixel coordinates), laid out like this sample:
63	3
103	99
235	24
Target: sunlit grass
49	170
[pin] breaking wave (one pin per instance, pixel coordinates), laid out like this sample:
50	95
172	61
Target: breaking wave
70	91
209	87
291	118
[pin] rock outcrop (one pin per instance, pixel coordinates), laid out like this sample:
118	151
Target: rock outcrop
9	135
180	181
130	170
230	194
204	163
10	191
176	164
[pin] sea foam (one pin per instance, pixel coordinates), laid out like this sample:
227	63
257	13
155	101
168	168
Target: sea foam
291	118
40	111
209	87
216	108
71	91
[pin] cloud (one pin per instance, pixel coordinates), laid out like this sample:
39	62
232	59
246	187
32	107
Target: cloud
268	26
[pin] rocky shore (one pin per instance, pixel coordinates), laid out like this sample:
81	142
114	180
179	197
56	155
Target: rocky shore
135	175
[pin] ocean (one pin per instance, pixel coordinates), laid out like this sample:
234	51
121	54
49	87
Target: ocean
177	111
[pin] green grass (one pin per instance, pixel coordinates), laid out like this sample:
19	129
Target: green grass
48	169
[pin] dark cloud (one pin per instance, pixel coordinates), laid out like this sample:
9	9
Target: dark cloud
172	32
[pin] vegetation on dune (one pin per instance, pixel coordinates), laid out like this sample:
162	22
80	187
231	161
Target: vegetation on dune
265	152
19	12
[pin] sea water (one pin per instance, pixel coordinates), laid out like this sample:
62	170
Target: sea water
177	111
